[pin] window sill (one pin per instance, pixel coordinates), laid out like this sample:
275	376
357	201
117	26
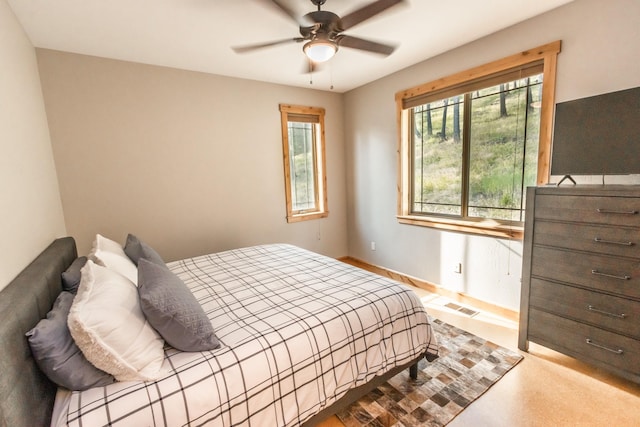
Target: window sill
307	216
484	228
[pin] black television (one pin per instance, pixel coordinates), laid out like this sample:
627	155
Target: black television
598	135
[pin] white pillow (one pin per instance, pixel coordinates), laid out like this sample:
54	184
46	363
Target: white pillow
110	254
107	324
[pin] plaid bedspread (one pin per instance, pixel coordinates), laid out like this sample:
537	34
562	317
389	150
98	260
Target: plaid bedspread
298	330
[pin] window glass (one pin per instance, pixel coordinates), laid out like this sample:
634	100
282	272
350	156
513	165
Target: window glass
437	158
503	131
504	136
302	162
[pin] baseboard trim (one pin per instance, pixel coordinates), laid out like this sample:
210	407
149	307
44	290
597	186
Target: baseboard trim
427	286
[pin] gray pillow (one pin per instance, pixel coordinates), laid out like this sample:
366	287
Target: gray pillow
172	310
136	249
56	353
71	276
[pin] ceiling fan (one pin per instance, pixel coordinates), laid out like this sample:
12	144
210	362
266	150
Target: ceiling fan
323	31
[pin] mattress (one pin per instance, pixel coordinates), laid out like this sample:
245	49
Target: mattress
298	330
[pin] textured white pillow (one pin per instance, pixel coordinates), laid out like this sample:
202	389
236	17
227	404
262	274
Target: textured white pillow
110	254
107	324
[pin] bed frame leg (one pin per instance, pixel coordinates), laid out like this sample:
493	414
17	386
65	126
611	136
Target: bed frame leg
413	371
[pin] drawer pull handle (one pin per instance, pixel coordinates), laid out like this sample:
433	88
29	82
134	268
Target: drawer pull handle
613	276
609	211
618	351
606	313
612	242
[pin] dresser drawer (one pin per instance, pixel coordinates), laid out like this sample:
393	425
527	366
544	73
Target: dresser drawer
608	312
603	239
616	275
585	342
621	211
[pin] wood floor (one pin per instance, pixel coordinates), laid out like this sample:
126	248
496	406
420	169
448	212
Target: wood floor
545	389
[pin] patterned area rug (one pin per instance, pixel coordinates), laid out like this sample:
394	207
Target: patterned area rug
467	367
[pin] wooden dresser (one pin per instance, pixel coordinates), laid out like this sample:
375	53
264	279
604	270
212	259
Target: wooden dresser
581	274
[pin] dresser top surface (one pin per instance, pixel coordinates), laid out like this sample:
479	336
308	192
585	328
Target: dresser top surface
590	190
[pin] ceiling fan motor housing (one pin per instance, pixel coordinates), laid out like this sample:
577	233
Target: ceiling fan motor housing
328	25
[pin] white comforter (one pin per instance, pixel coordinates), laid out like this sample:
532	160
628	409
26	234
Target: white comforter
298	330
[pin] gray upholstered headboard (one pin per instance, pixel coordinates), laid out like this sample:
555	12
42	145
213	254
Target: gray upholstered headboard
26	394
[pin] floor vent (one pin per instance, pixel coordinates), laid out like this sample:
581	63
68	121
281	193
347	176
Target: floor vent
461	309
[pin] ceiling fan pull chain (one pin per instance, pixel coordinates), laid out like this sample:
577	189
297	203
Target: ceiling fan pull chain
331	74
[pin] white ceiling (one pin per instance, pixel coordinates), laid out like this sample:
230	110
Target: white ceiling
198	34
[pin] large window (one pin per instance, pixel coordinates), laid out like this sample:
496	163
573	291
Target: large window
471	143
304	162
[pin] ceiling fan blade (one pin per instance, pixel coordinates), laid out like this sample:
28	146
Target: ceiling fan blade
302	21
252	47
362	44
366	12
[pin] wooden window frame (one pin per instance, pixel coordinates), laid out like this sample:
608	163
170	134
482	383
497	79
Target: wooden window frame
313	115
545	54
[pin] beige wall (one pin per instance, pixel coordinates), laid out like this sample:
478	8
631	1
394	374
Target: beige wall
600	42
30	209
189	162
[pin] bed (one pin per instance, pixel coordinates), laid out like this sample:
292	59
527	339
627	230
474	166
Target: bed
301	336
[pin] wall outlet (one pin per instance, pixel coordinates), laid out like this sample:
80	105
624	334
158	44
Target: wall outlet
373	246
457	268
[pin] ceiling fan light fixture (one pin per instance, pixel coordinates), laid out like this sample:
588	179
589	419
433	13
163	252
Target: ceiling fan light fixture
320	50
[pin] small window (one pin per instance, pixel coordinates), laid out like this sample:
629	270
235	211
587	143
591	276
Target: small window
471	143
304	162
